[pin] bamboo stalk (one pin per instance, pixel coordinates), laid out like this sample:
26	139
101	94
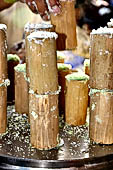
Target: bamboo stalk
21	90
76	99
65	26
3	77
29	28
101	68
101	116
63	70
44	121
43	65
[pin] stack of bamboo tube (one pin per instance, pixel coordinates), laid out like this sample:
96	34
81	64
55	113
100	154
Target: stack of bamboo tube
76	98
43	94
101	86
4	82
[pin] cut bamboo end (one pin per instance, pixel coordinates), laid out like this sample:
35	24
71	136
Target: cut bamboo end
101	54
44	121
13	60
63	70
43	64
65	26
101	116
76	99
21	90
29	28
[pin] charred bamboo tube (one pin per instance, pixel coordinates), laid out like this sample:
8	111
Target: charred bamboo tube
21	89
63	70
101	116
43	62
101	67
87	66
3	79
13	60
65	26
76	98
29	28
44	120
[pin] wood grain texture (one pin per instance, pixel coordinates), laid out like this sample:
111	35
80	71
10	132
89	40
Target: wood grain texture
44	121
101	67
21	93
43	66
76	102
65	26
3	76
101	117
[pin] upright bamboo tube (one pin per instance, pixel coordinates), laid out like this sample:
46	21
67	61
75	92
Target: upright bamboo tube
63	70
21	90
13	60
101	116
87	66
29	28
44	120
65	25
3	79
43	65
76	99
101	67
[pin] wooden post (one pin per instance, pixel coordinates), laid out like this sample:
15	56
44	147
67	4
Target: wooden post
101	116
29	28
76	100
65	26
21	89
63	70
101	67
13	60
43	65
44	120
3	77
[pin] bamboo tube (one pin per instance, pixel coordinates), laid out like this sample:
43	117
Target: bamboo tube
76	99
101	116
43	65
21	89
87	66
101	67
65	26
13	60
3	77
60	57
63	70
44	120
29	28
